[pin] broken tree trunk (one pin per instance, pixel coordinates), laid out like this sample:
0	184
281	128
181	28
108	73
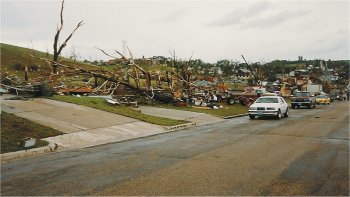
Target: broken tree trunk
58	49
136	77
26	74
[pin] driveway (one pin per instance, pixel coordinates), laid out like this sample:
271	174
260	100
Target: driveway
84	126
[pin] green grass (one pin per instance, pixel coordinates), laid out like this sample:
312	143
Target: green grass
12	55
101	104
14	129
227	110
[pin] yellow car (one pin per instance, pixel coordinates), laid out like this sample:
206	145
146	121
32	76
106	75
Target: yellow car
322	99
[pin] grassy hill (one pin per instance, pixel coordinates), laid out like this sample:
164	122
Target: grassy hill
14	59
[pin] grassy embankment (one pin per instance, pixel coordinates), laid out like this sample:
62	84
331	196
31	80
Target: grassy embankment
227	110
101	104
98	103
14	59
14	129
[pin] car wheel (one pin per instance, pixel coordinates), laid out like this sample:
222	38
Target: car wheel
310	106
287	113
251	117
293	106
279	115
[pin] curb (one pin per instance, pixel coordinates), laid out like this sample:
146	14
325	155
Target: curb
27	153
235	116
53	147
181	126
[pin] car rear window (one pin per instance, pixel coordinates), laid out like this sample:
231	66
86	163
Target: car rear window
302	94
267	100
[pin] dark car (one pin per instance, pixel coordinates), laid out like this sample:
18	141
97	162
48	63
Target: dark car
337	96
304	98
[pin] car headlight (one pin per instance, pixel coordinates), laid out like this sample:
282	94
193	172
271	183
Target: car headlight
252	108
271	108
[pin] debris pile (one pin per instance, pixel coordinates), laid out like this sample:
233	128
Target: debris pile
132	84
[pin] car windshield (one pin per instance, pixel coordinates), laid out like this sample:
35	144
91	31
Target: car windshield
302	94
267	100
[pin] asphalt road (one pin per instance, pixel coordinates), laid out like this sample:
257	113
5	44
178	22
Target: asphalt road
304	154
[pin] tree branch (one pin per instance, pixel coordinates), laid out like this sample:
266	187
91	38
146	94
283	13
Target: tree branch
121	55
59	28
106	53
69	37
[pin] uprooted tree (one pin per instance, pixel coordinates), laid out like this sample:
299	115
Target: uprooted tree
177	81
59	47
136	70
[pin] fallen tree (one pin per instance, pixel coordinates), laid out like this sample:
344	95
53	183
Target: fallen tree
112	77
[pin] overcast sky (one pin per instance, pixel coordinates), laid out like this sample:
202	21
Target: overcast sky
212	30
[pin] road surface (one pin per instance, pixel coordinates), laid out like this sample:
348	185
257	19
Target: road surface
304	154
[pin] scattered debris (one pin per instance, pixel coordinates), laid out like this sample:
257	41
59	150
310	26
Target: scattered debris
28	142
113	101
131	84
23	98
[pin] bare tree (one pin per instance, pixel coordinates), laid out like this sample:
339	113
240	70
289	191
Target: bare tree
58	47
73	55
173	54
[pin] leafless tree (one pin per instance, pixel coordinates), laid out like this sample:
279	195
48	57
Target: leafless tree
173	54
73	54
58	47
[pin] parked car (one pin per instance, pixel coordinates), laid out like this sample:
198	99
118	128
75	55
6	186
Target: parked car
273	106
3	91
322	99
303	98
338	97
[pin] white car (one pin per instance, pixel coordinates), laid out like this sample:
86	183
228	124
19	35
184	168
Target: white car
269	106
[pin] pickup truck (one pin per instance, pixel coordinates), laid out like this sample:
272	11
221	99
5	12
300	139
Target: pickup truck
303	99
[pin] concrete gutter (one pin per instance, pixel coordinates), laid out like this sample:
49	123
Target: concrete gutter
181	126
27	153
236	116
